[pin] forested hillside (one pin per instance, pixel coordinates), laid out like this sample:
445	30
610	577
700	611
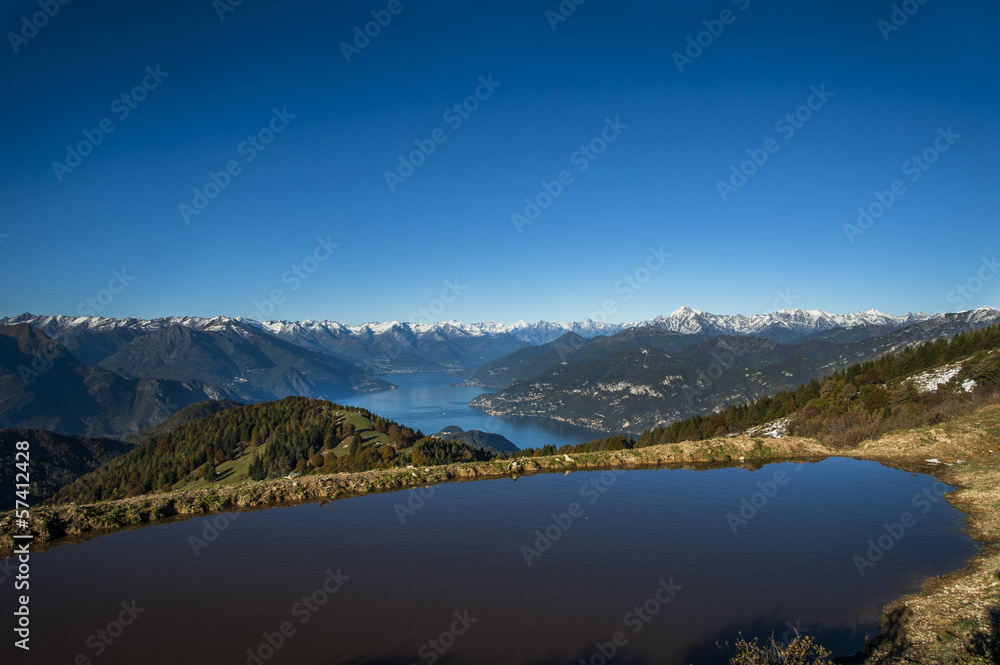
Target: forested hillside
54	460
922	384
261	441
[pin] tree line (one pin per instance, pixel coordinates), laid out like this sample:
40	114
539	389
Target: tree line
294	434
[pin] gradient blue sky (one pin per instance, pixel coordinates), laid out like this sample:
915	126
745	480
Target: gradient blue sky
778	241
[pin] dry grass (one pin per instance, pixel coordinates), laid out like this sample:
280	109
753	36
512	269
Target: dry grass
846	430
954	618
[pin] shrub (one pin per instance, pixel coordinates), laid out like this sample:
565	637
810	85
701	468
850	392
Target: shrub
802	650
987	371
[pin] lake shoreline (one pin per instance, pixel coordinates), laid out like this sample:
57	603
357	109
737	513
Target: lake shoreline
51	524
948	616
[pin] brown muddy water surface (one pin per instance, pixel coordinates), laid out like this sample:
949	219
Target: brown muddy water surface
648	565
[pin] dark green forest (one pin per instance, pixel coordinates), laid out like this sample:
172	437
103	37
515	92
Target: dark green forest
295	434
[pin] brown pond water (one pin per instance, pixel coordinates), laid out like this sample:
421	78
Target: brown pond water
645	558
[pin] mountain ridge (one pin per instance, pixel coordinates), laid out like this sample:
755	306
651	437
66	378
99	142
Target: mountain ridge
685	320
619	383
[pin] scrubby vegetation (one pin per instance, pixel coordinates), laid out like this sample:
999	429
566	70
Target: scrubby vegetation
801	650
870	399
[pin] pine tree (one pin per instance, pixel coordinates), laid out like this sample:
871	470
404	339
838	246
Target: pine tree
354	449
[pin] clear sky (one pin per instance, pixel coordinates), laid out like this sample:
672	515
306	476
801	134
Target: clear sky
634	130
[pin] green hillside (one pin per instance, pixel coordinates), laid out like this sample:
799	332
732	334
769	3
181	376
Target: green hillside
855	404
264	441
644	378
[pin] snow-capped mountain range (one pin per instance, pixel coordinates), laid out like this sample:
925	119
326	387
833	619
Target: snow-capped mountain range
805	322
164	364
784	324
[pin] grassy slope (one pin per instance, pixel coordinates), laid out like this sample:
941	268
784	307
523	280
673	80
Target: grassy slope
234	472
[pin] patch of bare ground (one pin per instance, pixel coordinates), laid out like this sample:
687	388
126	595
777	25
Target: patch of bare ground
954	618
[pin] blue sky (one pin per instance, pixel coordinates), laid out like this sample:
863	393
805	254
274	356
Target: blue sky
310	228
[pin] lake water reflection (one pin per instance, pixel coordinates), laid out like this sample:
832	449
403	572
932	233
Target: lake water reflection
650	555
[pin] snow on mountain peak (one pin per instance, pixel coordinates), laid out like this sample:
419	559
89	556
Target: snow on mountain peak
787	324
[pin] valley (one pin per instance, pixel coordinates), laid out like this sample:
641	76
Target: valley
921	398
670	366
637	354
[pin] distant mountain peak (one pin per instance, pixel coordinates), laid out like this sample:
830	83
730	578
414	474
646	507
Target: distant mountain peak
786	324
